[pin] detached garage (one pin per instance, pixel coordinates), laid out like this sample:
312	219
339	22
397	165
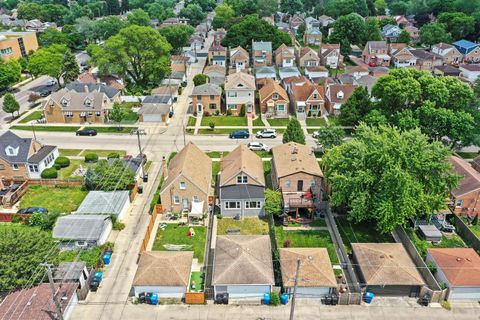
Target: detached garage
386	269
459	270
243	266
166	273
316	278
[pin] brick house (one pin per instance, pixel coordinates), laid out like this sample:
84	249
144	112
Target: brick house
375	53
465	198
285	56
65	106
449	54
336	95
401	56
414	34
217	54
308	100
307	57
207	99
187	180
273	99
312	36
262	53
239	58
330	55
470	50
240	90
426	60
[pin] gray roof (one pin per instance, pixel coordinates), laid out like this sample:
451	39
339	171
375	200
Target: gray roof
154	109
261	46
179	75
78	100
68	271
80	227
430	231
207	89
11	139
264	70
425	55
103	202
92	87
289	70
242	191
157	98
41	154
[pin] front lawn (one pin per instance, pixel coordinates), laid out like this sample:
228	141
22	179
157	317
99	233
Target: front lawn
450	241
35	115
215	170
47	128
67	173
258	122
217	154
69	152
177	235
360	233
55	199
316	122
113	129
103	153
247	226
278	122
191	121
218	131
224	121
306	239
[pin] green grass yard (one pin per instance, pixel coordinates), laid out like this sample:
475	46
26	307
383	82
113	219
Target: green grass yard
191	121
199	279
69	152
450	241
468	155
224	121
278	122
218	131
247	226
89	256
55	199
35	115
47	128
217	154
175	234
316	122
103	153
267	168
113	129
258	122
215	169
66	173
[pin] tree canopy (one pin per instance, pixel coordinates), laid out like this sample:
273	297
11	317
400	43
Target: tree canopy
53	61
388	176
109	177
10	104
433	33
294	132
348	30
193	12
273	202
330	136
177	35
10	73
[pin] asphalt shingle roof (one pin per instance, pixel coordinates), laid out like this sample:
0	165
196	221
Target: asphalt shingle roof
80	227
41	154
207	89
11	139
92	87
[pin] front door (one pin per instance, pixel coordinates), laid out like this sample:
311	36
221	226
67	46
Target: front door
185	204
199	108
300	185
249	108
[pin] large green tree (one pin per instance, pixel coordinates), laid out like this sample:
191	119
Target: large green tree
138	54
348	30
107	27
70	67
388	176
138	17
291	6
372	30
10	73
356	108
266	8
10	104
458	24
177	35
109	177
404	37
273	202
433	33
47	61
330	136
53	36
294	132
193	12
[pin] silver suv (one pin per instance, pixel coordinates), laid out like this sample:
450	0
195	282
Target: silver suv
266	133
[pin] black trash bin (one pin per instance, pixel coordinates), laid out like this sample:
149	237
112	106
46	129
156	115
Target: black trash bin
425	300
145	177
141	297
140	189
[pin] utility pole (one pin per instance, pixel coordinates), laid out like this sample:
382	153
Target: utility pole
292	308
52	286
141	153
34	138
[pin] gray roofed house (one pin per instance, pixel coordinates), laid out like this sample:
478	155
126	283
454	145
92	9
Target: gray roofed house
82	230
286	72
75	272
367	81
155	108
20	147
207	89
265	72
111	93
41	154
262	45
105	203
158	98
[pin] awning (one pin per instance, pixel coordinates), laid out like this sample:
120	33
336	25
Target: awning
197	209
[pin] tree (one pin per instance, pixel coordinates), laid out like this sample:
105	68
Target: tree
10	73
348	30
156	10
266	8
330	136
200	79
87	27
372	30
273	202
125	6
48	61
381	6
70	67
22	249
476	88
117	114
109	177
458	24
193	12
398	7
375	118
138	17
75	39
291	6
10	104
107	27
137	53
254	28
404	37
177	35
225	11
52	36
294	132
387	176
301	30
356	108
433	33
113	7
76	11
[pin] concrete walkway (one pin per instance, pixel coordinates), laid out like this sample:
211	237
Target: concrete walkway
250	125
198	122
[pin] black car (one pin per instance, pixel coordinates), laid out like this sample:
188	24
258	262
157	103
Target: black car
45	93
86	132
32	210
239	134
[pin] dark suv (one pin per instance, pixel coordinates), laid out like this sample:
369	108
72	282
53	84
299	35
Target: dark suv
239	134
86	132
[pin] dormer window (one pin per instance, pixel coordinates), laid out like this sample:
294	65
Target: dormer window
315	96
64	102
242	179
340	95
275	96
88	102
11	151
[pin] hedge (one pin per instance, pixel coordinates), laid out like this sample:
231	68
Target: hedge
63	162
91	157
113	155
49	173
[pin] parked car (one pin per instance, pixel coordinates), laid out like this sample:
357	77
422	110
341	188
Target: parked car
32	210
266	133
257	146
45	93
51	82
239	134
140	131
315	134
86	132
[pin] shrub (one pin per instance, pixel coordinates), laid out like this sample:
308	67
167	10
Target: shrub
113	155
219	216
62	161
274	298
49	173
33	97
91	157
57	166
206	114
446	305
242	111
432	267
15	219
229	112
217	112
287	243
211	124
118	226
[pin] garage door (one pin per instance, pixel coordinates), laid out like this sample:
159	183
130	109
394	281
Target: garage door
465	294
244	291
405	291
152	118
311	292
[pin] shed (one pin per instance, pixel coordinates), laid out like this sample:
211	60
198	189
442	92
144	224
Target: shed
75	272
105	203
82	230
386	269
429	232
155	108
166	273
459	270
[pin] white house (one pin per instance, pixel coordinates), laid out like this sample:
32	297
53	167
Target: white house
470	72
459	270
316	72
240	90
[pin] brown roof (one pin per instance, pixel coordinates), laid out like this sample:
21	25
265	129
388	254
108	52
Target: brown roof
285	50
270	87
471	67
326	48
386	264
470	180
292	157
302	93
306	50
217	48
238	53
167	89
214	68
192	164
353	69
77	101
316	69
164	268
443	45
110	81
347	90
315	267
179	58
35	303
296	79
243	259
461	266
241	159
245	79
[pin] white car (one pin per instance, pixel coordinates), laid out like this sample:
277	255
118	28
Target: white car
51	82
266	133
315	134
257	146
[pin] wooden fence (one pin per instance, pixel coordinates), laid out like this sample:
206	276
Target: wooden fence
467	235
194	297
158	209
133	192
7	217
56	182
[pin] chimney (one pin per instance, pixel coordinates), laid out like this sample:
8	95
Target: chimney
294	150
86	88
164	168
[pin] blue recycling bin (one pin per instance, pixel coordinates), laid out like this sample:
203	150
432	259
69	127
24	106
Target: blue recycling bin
154	299
98	276
368	297
284	298
106	258
266	298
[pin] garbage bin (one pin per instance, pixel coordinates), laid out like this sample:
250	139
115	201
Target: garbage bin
145	177
140	189
284	298
266	298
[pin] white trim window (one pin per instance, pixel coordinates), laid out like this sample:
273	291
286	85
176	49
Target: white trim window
195	199
287	184
232	205
182	185
458	203
253	204
33	167
242	179
176	199
15	166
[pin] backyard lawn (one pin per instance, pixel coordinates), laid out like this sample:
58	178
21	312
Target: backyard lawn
199	278
307	239
217	154
450	241
224	121
215	170
175	234
247	226
267	168
316	122
35	115
359	232
55	199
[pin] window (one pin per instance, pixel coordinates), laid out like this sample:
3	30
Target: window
199	97
11	151
242	179
287	184
176	200
68	114
232	94
33	167
2	167
280	107
15	166
232	106
315	96
97	113
212	97
275	96
213	106
300	185
183	186
459	204
253	204
90	114
5	52
195	199
232	205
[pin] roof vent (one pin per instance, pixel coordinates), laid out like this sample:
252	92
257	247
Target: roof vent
468	259
459	259
294	158
295	150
